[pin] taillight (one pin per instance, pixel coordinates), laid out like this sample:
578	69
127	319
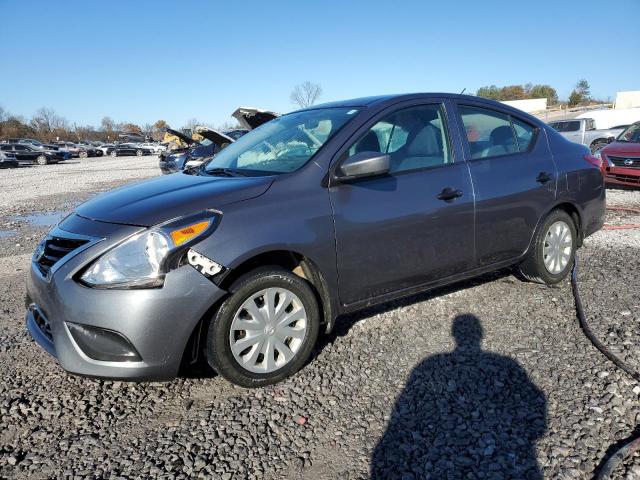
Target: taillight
593	160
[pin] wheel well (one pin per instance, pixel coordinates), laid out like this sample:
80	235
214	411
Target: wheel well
598	140
291	261
573	212
295	263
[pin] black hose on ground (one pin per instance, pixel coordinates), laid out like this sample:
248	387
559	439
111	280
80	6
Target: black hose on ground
628	448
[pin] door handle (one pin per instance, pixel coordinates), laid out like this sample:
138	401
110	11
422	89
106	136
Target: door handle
449	194
544	177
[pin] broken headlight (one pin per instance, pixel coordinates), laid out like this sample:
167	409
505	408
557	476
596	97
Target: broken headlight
143	260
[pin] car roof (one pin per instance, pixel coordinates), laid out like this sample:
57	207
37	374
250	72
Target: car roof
382	99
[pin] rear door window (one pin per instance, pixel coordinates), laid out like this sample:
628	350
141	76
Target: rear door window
489	133
493	134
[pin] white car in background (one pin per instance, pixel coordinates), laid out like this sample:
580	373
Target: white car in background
156	148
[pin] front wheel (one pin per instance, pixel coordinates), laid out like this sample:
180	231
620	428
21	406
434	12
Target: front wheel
265	331
139	153
83	155
41	160
553	250
114	154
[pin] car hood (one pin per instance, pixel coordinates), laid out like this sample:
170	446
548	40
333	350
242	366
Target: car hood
164	198
215	136
622	148
185	138
251	118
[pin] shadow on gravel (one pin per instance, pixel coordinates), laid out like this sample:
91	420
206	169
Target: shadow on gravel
465	414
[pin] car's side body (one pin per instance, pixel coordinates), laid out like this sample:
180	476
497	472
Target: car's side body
27	153
358	243
8	160
128	149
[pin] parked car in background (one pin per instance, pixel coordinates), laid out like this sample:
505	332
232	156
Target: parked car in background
179	143
199	152
26	153
8	160
621	158
250	117
583	131
322	212
213	141
90	149
72	148
128	149
35	143
156	148
104	148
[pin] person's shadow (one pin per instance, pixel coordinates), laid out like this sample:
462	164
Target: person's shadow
465	414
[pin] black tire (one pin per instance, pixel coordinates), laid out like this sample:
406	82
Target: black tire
42	160
533	267
139	153
218	348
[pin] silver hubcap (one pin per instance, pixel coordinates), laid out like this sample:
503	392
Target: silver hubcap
268	330
557	247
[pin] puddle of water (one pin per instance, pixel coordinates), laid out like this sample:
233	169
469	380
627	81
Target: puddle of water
41	219
7	233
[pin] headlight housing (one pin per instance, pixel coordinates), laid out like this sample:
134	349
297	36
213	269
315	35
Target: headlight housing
142	260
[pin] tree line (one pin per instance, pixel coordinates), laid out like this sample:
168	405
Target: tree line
46	125
581	94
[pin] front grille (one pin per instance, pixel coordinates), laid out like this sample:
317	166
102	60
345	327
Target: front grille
625	178
42	322
626	162
53	249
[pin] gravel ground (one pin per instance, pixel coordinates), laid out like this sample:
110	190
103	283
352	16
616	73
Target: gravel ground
490	378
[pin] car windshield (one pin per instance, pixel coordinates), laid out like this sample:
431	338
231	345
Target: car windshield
631	134
282	145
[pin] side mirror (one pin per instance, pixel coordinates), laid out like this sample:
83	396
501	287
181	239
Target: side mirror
611	139
362	165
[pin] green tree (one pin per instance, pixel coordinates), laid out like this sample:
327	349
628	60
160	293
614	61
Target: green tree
491	92
583	88
544	91
575	98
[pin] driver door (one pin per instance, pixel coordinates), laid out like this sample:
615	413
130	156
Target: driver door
401	230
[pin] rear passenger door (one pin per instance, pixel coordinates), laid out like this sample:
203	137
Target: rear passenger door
514	179
414	225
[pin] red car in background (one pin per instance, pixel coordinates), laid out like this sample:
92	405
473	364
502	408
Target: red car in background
621	158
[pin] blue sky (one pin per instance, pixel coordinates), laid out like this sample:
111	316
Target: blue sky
141	61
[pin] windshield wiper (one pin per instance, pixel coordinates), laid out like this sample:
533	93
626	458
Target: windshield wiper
226	172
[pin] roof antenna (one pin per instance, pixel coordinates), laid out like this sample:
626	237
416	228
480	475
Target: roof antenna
463	90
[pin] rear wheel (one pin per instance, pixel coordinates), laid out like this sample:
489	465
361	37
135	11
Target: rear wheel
83	154
553	250
265	331
41	160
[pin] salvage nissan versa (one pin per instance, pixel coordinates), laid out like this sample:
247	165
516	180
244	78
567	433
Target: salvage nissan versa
246	259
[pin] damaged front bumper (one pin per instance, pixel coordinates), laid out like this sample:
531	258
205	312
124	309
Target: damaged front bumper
135	334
